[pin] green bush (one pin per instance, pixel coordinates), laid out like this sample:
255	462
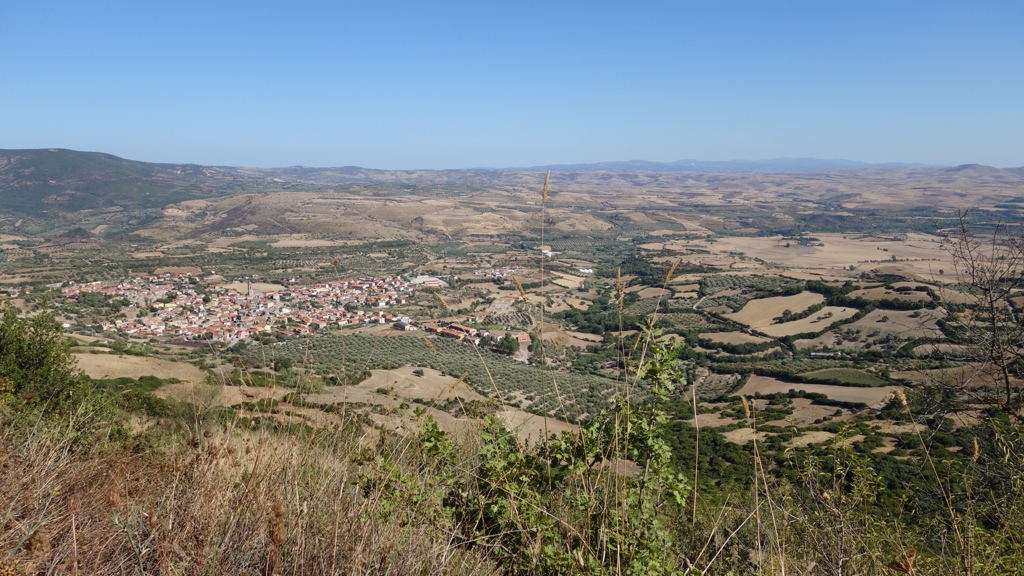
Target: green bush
36	366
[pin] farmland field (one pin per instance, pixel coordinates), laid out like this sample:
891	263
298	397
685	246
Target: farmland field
883	293
102	366
734	338
870	396
908	324
813	323
654	293
490	374
846	376
760	313
805	412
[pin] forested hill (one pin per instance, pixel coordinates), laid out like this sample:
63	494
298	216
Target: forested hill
46	183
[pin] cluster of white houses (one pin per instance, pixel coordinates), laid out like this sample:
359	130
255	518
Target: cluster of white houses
170	305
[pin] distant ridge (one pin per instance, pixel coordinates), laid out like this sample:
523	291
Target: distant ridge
775	165
43	190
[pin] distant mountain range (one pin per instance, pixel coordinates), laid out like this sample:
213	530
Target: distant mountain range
55	187
775	165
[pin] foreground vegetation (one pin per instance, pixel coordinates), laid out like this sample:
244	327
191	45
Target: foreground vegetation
201	489
746	416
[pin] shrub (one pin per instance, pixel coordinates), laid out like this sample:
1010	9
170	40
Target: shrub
36	366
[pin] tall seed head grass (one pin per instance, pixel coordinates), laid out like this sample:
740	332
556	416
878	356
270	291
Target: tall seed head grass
671	271
429	344
519	287
441	300
619	288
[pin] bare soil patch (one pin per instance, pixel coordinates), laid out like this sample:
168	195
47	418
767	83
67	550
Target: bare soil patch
810	437
743	435
530	427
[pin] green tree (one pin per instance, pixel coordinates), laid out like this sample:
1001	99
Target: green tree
507	345
35	365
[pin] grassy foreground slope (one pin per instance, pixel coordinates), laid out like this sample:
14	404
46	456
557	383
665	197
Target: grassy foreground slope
106	478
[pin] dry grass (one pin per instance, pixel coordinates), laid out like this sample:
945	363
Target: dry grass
813	323
883	293
107	365
908	324
760	313
225	501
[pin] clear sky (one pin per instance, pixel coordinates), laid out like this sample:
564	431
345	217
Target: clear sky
445	84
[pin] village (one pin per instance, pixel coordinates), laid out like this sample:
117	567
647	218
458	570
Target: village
176	305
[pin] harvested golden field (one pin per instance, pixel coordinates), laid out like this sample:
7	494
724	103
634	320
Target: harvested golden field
102	366
870	396
760	313
921	252
883	293
955	296
554	332
654	293
813	323
903	323
568	281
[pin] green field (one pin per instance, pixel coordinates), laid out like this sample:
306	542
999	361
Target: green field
845	376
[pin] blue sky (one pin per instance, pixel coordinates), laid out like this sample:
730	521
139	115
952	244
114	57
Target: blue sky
497	84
